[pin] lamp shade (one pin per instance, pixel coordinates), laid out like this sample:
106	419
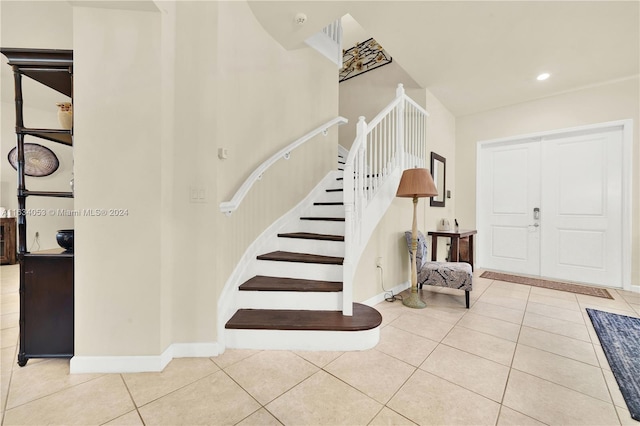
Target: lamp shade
416	183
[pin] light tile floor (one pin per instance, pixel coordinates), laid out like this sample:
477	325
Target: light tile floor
521	355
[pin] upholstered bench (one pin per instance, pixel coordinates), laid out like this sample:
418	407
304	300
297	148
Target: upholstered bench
456	275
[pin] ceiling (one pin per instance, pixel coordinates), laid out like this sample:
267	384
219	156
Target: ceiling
480	55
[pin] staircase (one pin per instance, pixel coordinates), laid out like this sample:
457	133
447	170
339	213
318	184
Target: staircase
300	292
295	300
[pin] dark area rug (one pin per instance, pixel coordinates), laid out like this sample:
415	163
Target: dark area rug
620	339
554	285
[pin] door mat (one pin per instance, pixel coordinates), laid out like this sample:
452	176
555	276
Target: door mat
554	285
620	339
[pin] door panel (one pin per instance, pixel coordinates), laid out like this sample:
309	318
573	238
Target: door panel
509	191
582	208
509	242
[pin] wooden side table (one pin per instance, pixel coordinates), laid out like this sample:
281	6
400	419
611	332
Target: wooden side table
454	236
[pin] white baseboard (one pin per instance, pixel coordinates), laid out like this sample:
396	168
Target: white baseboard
144	363
195	350
380	297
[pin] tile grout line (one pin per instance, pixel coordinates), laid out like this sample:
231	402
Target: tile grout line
170	392
383	405
100	375
132	401
440	343
258	402
506	384
558	384
6	399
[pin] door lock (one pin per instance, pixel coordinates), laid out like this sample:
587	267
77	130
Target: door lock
536	213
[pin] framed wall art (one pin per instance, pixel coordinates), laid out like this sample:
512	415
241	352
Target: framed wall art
361	58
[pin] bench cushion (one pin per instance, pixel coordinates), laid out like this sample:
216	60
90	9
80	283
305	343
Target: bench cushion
446	274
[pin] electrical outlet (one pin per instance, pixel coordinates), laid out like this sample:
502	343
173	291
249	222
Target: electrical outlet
379	261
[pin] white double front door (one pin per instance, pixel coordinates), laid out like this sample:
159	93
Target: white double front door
552	206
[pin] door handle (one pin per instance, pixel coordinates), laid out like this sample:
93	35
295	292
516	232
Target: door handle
536	213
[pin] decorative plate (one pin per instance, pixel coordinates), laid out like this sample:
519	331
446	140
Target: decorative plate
38	160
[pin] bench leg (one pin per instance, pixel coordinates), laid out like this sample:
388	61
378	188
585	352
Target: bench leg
466	297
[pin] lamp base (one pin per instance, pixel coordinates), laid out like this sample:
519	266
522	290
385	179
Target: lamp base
414	301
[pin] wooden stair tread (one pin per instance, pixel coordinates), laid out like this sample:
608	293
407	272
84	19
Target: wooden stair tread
263	283
285	256
364	318
312	236
329	203
331	219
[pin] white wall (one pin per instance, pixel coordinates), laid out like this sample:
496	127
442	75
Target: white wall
35	25
607	102
156	94
189	258
267	98
367	94
118	117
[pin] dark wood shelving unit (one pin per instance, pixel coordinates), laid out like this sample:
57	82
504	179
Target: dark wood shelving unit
7	240
53	135
48	194
46	278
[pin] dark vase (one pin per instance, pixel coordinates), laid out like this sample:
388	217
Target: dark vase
64	237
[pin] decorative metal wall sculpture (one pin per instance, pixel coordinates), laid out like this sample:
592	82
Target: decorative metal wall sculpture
361	58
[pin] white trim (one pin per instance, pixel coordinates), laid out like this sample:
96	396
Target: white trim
627	179
195	350
303	340
627	204
527	137
328	42
381	296
143	363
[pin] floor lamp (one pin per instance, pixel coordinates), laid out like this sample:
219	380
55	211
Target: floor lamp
415	183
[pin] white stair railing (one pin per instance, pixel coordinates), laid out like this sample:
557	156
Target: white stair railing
393	141
228	207
328	41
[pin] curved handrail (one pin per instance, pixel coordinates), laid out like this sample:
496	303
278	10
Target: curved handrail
228	207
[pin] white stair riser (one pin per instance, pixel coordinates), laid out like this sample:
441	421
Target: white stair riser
330	197
295	300
294	340
319	227
309	271
299	245
326	211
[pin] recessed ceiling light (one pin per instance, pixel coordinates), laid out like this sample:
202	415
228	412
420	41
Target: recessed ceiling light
543	76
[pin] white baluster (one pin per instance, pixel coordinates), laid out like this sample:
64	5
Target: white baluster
400	137
376	155
385	153
347	267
